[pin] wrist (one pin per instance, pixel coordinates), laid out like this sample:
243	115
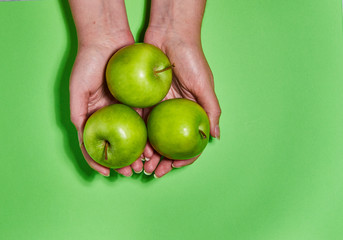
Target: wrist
165	33
166	38
100	22
181	18
106	39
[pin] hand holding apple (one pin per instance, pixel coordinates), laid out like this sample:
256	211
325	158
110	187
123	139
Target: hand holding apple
89	92
175	28
192	78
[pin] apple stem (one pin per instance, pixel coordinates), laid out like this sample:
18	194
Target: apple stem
203	135
165	69
106	146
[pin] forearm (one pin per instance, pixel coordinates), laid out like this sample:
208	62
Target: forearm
182	17
100	19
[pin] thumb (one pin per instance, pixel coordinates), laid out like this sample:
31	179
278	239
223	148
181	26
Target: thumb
78	110
209	101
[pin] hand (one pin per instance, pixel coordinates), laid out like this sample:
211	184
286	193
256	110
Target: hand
89	92
192	79
102	28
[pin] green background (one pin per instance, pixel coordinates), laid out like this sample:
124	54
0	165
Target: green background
276	173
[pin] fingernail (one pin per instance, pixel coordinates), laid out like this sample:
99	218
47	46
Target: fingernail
148	174
174	166
217	132
139	171
147	159
104	174
155	176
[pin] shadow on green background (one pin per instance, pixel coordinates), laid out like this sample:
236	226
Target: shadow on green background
275	174
145	21
61	92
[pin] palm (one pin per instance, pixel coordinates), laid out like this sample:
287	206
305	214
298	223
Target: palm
89	93
190	65
89	70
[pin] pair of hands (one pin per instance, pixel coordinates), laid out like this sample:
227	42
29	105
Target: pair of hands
192	79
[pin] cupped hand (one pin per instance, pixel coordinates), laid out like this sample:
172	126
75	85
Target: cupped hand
89	92
192	79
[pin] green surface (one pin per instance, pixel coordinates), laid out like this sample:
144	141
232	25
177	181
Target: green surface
275	174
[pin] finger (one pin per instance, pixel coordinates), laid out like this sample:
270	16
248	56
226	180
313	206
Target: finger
208	100
148	151
150	166
182	163
139	111
137	165
96	166
146	112
163	168
125	171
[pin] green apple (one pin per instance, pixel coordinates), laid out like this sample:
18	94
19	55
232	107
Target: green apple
139	75
115	136
178	129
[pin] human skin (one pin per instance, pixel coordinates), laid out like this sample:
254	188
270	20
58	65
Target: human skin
175	27
102	29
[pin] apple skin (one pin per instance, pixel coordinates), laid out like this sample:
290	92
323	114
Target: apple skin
131	75
173	129
122	128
